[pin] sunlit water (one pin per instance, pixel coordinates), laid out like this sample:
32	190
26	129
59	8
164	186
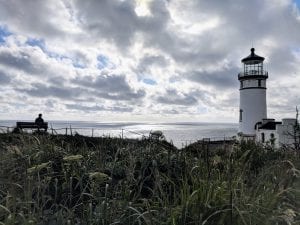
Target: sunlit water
179	133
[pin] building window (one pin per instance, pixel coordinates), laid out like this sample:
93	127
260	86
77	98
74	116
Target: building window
262	137
241	115
259	83
272	139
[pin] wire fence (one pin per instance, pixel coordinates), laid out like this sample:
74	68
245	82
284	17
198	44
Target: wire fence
92	132
118	133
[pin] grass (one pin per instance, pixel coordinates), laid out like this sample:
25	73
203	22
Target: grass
47	179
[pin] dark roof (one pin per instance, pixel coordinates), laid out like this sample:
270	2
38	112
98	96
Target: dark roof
253	58
267	126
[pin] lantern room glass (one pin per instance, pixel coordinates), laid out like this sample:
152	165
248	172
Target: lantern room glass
253	69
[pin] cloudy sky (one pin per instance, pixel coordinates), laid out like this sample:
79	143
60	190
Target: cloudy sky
144	60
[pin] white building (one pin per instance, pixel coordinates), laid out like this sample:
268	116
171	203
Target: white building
277	133
253	121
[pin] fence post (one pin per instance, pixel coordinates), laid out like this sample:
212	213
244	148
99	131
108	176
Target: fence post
71	131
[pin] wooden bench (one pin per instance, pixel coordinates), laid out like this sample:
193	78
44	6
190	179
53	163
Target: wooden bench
32	125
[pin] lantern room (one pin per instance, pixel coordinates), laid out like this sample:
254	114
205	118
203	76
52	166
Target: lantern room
253	66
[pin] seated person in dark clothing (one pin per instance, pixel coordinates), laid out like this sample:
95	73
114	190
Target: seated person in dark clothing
39	121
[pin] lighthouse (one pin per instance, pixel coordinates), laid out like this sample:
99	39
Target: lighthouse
253	103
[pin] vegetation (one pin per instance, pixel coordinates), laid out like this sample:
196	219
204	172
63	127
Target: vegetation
47	179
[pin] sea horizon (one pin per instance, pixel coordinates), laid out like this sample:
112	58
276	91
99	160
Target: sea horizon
179	133
118	121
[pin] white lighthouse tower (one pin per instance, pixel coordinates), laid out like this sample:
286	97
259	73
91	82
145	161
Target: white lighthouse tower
253	104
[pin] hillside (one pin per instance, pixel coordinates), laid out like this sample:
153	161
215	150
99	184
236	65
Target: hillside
82	180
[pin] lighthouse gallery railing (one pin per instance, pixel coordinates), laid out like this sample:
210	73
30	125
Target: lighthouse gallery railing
263	74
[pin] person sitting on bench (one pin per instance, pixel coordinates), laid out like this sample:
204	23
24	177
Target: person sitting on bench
39	121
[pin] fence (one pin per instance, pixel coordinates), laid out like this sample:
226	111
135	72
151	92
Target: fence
87	131
118	133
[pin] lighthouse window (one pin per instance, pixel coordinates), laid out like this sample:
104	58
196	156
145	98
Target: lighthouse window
242	84
241	115
259	83
253	69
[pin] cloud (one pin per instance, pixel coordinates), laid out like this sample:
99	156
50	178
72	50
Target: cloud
149	61
36	18
113	87
41	90
112	20
32	61
221	79
20	61
127	96
281	61
172	97
4	79
97	108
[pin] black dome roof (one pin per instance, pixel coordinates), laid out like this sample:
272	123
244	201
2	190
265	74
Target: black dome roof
253	58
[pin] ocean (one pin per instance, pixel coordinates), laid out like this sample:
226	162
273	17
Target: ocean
180	134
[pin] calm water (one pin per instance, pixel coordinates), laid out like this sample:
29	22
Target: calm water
179	133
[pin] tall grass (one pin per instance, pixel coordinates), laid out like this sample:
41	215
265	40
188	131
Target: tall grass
80	180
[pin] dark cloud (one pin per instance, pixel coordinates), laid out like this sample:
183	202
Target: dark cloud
44	91
172	97
57	80
21	61
113	87
118	21
113	20
222	79
150	61
4	79
281	62
113	83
